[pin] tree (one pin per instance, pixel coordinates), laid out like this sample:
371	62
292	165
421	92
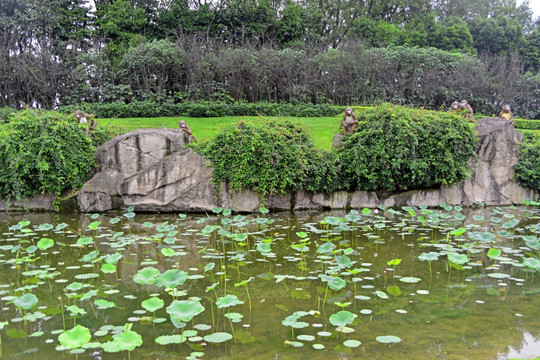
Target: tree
454	35
532	51
497	35
243	20
377	34
152	68
119	24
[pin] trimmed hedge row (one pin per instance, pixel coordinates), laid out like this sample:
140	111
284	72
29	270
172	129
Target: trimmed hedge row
202	109
527	124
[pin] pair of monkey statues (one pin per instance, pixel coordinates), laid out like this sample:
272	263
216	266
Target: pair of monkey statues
350	121
463	105
91	124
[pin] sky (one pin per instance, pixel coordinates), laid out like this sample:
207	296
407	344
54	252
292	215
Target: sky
535	7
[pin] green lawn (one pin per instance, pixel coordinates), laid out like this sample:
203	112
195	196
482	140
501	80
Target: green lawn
322	128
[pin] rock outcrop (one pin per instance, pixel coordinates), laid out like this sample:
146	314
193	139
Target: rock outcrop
148	170
123	157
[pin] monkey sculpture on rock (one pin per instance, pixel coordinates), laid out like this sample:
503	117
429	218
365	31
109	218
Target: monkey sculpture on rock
507	115
188	135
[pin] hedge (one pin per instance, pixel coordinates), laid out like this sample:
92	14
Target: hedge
201	109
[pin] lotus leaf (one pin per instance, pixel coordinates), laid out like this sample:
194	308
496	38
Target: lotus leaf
85	240
45	243
75	338
153	304
388	339
170	339
352	343
104	304
458	258
108	268
218	337
185	310
410	279
227	301
27	301
342	318
171	278
146	276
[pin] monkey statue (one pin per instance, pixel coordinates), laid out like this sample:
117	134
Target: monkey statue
464	107
350	121
188	135
507	114
84	118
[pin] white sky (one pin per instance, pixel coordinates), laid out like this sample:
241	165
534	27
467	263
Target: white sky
535	7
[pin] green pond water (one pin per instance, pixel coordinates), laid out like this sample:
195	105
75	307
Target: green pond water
411	283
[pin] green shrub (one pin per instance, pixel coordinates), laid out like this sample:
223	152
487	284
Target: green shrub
528	167
6	112
102	134
43	152
396	148
275	156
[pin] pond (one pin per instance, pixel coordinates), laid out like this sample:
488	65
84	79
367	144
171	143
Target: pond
411	283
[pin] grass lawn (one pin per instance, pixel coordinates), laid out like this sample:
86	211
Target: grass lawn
322	128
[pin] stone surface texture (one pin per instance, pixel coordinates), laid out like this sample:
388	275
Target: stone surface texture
149	170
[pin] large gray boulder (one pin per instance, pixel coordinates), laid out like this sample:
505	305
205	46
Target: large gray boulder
181	181
123	157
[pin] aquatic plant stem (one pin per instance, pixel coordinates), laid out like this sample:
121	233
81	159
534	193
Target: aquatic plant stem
232	327
63	317
93	310
249	301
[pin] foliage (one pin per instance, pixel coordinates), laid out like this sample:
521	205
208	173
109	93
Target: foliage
272	156
43	152
396	148
528	167
201	109
102	134
5	113
61	52
527	124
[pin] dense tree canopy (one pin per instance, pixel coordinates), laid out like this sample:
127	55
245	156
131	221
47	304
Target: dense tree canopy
57	52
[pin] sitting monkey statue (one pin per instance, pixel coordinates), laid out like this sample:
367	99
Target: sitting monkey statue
188	135
84	118
464	107
507	115
350	121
